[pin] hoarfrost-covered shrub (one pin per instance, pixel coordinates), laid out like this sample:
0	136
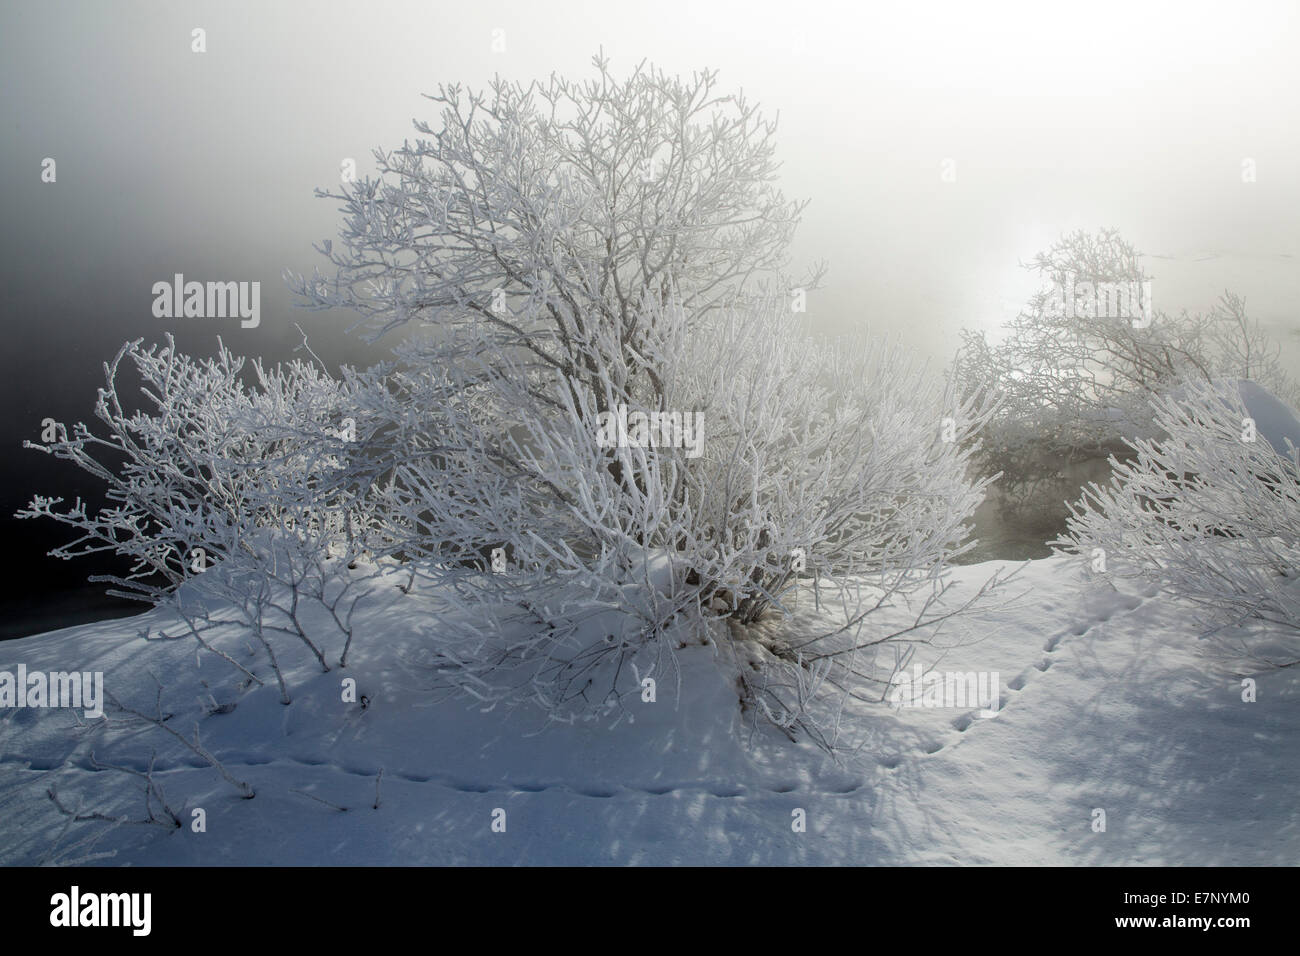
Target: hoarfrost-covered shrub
1209	510
221	493
838	469
579	260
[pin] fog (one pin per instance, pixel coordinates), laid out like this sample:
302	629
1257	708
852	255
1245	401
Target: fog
940	144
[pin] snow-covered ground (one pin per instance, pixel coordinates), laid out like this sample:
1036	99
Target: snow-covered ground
1107	702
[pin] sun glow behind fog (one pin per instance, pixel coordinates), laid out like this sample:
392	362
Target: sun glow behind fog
1134	116
1037	49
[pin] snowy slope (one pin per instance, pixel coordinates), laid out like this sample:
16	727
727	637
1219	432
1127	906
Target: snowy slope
1108	701
1275	421
1273	418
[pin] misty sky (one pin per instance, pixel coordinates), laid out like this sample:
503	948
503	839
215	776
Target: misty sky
1056	117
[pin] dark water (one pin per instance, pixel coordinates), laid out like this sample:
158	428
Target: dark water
1011	529
21	617
999	537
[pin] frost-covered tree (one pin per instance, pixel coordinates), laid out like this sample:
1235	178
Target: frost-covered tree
833	469
1209	510
543	212
609	418
1077	369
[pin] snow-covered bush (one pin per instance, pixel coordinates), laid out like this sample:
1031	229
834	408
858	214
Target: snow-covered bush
827	467
585	257
221	489
1209	509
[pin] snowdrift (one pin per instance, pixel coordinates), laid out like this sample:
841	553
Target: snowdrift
1106	703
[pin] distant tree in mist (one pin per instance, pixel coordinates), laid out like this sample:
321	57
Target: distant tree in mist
1077	370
